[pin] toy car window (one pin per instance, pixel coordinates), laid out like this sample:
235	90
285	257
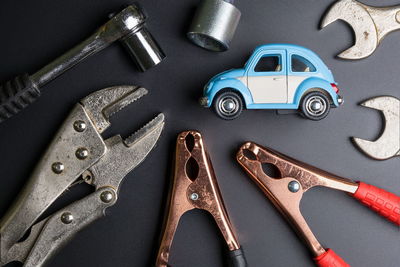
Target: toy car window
300	64
269	63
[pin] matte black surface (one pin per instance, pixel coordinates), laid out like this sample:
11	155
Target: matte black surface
35	32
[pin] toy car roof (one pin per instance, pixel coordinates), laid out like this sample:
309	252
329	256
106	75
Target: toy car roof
292	48
284	46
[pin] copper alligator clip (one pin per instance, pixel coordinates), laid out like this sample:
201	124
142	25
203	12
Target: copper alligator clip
196	190
295	179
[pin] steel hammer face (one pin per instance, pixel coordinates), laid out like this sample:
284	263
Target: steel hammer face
370	25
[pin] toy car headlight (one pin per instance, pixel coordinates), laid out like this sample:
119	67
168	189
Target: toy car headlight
208	86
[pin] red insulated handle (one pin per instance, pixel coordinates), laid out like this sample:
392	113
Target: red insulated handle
330	259
379	200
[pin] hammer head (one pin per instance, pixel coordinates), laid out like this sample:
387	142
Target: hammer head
129	27
365	30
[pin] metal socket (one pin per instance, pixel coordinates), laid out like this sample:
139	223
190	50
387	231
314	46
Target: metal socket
143	48
214	25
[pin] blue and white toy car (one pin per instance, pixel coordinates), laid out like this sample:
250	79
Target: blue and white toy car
277	76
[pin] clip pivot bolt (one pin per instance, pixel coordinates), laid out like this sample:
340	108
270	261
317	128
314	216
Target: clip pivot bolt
194	196
294	186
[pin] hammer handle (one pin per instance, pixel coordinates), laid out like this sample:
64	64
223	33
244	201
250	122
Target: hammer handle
17	94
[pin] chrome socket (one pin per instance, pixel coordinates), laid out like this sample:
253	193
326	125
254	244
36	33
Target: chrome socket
214	25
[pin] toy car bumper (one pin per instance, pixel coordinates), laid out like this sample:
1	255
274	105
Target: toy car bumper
340	99
204	101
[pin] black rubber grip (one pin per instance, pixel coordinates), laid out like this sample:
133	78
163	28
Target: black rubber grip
236	258
17	94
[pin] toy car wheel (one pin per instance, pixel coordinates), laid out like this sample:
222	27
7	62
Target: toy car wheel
228	105
315	106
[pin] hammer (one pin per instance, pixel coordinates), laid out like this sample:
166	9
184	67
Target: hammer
127	26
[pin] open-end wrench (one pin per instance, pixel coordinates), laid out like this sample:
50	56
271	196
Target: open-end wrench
388	144
370	25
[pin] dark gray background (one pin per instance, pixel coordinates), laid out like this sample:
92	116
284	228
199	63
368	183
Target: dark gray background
35	32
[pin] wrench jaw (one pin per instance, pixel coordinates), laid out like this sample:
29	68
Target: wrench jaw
366	147
388	144
102	104
125	155
356	15
382	103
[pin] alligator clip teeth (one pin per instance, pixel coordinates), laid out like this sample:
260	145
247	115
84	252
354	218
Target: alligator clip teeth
102	104
195	188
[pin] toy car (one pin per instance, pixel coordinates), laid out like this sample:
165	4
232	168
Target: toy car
277	76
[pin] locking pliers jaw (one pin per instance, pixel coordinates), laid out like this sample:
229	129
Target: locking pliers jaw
77	148
125	155
102	104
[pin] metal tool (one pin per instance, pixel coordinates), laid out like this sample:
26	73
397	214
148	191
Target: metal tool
127	26
285	188
77	151
214	24
388	144
370	25
195	187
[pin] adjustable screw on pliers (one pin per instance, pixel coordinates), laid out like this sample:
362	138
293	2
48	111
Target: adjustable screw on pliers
77	150
295	179
193	190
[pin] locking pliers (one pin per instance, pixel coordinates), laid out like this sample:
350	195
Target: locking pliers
77	151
